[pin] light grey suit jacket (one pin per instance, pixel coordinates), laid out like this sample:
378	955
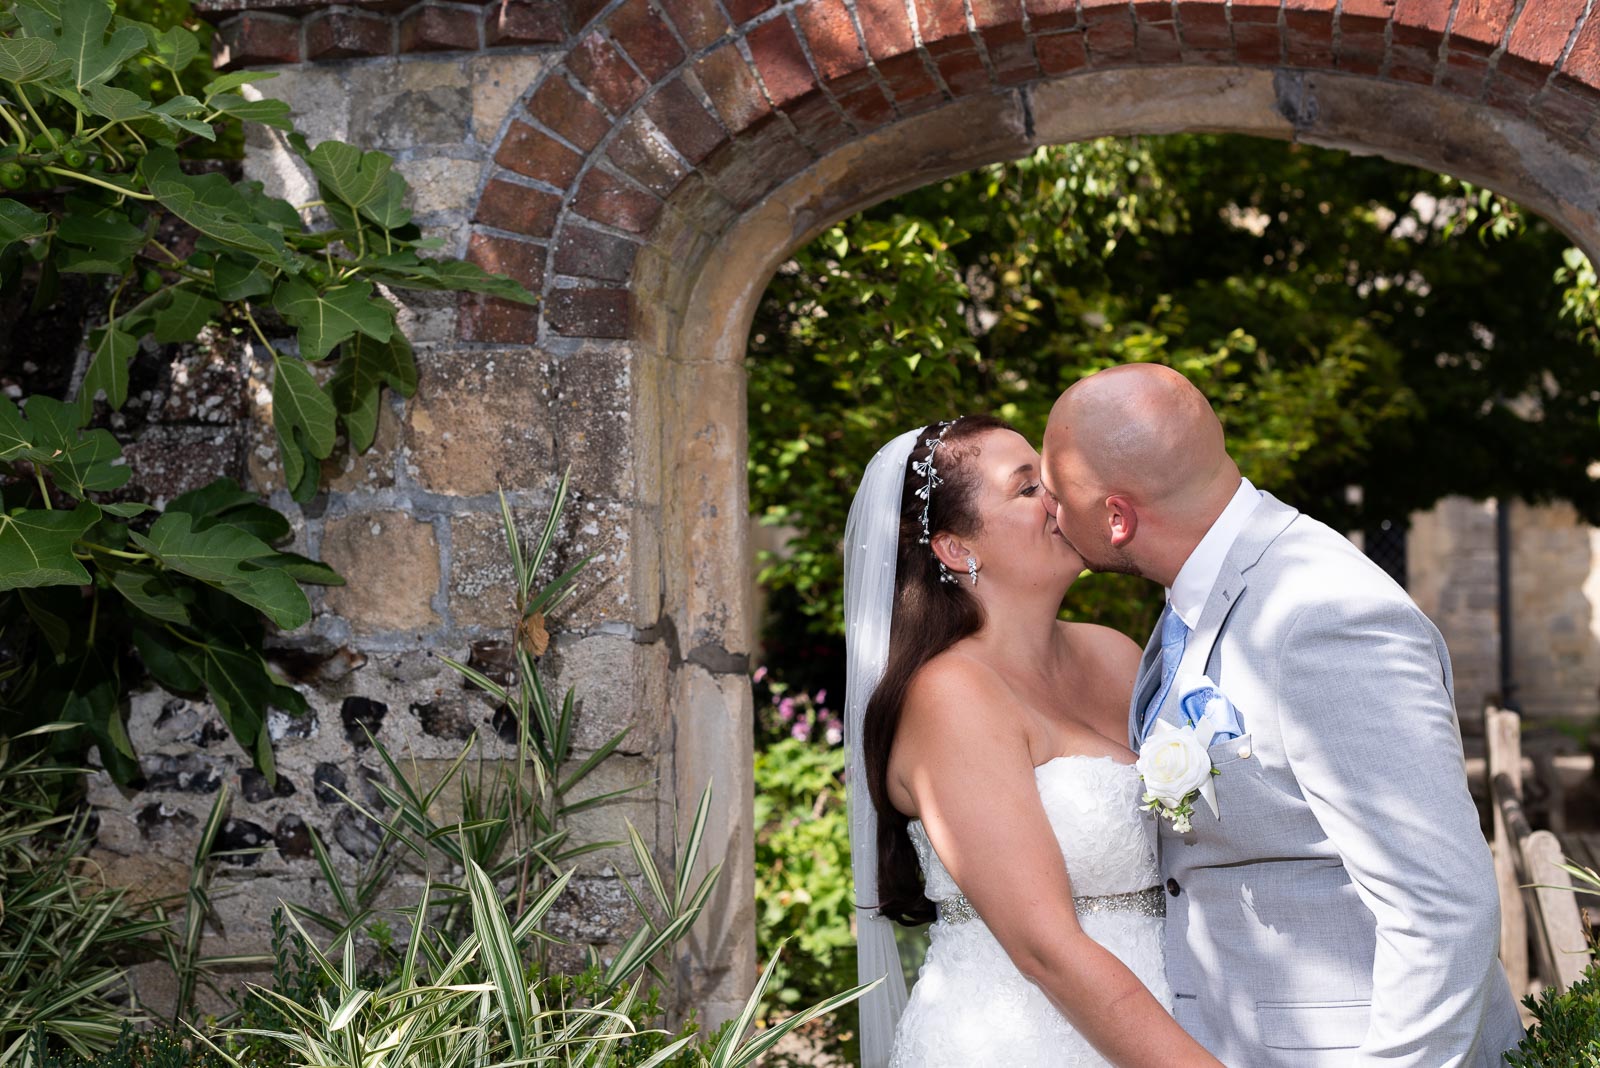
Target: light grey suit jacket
1343	910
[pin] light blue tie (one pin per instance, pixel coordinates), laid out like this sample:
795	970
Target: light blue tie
1174	636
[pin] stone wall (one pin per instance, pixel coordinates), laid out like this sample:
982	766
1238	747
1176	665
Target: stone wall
1555	603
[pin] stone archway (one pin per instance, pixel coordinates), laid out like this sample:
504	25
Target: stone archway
664	156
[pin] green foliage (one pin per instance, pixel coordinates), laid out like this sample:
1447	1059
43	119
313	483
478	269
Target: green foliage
1338	311
63	932
133	1049
80	585
99	116
1566	1029
803	883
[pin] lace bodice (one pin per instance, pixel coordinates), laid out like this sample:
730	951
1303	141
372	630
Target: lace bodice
971	1007
1092	805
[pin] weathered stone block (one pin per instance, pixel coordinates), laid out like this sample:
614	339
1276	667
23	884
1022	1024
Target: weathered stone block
480	422
440	185
619	685
497	82
608	822
481	579
426	103
390	563
171	460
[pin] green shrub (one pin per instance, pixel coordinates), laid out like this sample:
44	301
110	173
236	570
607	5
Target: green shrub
62	930
1566	1029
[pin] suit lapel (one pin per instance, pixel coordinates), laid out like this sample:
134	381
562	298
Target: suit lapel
1145	687
1225	594
1270	519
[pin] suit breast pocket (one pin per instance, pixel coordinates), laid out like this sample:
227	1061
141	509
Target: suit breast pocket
1224	753
1313	1024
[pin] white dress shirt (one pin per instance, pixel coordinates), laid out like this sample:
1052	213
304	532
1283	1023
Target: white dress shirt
1192	588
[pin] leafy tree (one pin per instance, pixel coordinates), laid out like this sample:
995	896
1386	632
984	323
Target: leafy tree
99	116
1355	323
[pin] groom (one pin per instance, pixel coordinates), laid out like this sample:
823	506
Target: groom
1340	908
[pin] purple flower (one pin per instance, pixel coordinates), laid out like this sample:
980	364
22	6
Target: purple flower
800	732
822	695
761	673
834	735
786	709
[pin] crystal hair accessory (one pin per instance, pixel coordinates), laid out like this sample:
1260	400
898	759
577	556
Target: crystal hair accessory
930	472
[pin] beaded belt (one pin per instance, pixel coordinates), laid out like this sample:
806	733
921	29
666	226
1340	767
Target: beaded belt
1147	902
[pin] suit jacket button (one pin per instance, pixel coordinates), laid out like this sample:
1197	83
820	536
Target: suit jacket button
1173	888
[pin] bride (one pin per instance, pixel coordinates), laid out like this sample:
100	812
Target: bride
1003	803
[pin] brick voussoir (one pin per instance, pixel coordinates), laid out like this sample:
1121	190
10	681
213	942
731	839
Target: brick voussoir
640	31
522	22
341	34
586	252
589	312
520	209
256	38
563	110
491	319
611	201
684	121
535	154
521	260
781	62
435	27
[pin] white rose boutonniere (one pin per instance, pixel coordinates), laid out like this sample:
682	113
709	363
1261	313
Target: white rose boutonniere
1174	762
1176	769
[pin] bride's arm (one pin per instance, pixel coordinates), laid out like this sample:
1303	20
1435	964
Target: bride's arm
965	764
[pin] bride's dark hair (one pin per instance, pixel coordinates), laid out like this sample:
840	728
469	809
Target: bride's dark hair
930	616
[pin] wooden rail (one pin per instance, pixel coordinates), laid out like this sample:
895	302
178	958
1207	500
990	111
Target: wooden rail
1537	903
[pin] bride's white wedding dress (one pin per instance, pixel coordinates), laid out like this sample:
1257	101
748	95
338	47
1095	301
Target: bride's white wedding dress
971	1007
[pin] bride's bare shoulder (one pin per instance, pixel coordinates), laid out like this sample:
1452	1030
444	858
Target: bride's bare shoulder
955	689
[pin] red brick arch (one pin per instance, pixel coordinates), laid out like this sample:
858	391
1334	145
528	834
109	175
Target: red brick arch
651	96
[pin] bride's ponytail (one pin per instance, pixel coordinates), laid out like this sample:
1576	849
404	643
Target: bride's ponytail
930	615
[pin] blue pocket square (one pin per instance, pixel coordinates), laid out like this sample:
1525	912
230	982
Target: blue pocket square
1204	707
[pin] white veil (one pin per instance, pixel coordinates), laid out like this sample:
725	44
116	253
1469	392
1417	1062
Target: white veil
871	548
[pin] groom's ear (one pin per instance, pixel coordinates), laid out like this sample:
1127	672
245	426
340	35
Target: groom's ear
1122	521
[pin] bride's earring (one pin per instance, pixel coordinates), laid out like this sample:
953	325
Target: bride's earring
972	569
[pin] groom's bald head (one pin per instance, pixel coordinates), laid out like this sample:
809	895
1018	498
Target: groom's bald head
1136	446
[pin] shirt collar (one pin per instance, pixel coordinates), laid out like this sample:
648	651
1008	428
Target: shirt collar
1192	588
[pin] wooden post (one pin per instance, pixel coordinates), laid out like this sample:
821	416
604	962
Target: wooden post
1561	933
1503	731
